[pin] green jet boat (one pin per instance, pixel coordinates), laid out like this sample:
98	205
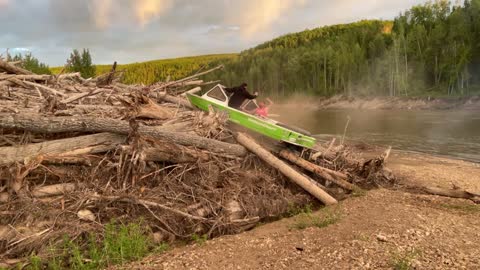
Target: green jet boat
218	99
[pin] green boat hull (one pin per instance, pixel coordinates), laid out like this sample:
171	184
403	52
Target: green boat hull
254	123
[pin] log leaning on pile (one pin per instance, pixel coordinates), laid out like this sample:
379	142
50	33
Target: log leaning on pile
306	183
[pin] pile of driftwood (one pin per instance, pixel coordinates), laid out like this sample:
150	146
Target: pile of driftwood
76	154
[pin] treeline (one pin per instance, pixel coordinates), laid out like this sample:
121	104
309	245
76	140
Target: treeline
29	62
160	70
432	49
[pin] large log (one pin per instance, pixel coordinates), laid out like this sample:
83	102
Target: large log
20	153
171	153
41	124
36	77
175	100
13	69
453	193
306	183
327	174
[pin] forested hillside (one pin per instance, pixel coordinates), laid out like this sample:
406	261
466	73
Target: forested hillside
159	70
431	49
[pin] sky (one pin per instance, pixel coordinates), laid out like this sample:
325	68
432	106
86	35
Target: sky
130	31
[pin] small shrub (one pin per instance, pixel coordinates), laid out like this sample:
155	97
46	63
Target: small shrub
161	248
121	244
358	192
404	261
199	239
468	208
294	210
305	220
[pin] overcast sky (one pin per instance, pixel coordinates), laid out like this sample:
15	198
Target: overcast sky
138	30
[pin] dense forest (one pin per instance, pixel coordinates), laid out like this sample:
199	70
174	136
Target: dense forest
162	70
431	49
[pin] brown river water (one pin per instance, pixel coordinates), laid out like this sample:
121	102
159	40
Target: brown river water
454	134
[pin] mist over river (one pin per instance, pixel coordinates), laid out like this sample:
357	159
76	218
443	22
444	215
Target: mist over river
449	133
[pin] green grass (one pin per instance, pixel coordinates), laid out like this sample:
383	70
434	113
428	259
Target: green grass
120	244
403	261
294	210
307	220
199	239
468	208
358	192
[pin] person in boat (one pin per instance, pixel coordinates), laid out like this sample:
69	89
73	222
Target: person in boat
239	95
262	109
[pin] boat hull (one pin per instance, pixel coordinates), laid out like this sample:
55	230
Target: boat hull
262	126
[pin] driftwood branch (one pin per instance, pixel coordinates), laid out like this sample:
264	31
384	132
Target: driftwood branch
306	183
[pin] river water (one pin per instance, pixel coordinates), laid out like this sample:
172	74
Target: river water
448	133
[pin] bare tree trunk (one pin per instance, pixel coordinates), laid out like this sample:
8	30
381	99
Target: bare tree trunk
306	183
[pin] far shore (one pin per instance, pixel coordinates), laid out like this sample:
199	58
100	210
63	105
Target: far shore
385	103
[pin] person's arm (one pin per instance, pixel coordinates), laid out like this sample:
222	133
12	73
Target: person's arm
248	95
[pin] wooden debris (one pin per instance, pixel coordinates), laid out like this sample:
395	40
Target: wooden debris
329	175
300	179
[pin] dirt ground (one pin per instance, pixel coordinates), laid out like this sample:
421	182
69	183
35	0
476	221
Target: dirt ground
381	229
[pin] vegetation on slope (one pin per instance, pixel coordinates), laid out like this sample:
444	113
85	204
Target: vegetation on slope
161	70
431	49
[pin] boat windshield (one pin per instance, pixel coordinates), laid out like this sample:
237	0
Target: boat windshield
217	93
250	106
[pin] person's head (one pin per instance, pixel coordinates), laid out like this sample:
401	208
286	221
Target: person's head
244	85
261	104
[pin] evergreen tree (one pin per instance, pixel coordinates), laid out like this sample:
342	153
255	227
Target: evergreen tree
81	63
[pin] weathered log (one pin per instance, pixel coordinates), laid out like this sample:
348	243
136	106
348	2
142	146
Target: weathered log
13	69
20	153
175	100
41	124
153	111
52	190
453	193
327	174
82	95
306	183
68	160
43	87
34	77
170	153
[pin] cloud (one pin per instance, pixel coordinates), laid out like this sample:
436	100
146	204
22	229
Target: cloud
101	12
146	10
137	30
258	16
133	13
